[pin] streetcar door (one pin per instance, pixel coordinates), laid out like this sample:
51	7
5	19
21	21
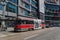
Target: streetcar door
39	22
36	24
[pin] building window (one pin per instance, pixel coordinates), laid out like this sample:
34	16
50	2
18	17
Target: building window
52	7
2	0
11	8
48	18
58	14
26	13
1	7
33	8
35	15
20	11
21	3
27	6
28	1
48	13
14	1
33	2
54	1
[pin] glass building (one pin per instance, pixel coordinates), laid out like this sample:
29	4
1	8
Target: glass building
10	10
52	13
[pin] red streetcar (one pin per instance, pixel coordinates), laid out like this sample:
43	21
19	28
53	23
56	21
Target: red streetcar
24	24
27	23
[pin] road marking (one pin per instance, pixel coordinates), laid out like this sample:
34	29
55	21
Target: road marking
13	34
31	36
3	36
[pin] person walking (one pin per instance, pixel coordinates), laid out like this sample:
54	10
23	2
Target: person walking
3	26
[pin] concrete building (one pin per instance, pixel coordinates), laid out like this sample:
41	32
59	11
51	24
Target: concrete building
57	2
42	9
12	10
52	12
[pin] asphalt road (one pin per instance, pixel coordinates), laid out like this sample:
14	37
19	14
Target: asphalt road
43	34
48	35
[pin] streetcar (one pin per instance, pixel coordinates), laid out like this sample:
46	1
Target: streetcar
26	25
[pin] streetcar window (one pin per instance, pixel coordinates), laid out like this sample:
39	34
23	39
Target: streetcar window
29	22
17	22
24	22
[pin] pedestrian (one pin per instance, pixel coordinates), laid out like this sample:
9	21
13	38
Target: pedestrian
3	26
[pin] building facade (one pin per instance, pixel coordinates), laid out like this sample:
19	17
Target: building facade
42	9
12	10
52	12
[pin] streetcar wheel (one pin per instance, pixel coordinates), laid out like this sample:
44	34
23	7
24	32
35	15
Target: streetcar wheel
15	30
30	29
